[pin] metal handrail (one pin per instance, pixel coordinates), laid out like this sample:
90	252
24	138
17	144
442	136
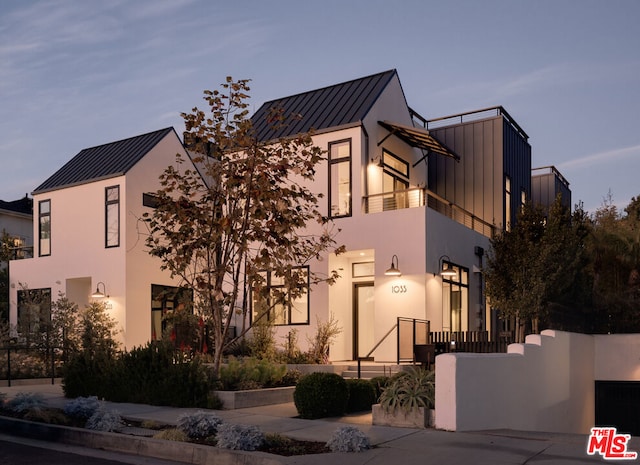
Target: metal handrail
375	347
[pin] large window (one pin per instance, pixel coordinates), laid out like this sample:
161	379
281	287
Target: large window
395	181
169	307
340	178
455	300
112	216
280	307
44	228
34	313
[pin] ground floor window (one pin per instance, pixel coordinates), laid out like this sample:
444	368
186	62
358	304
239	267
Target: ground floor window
169	305
34	313
455	300
279	306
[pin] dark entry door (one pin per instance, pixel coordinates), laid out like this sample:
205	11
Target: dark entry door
618	404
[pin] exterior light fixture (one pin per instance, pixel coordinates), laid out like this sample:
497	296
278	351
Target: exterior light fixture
446	271
98	294
394	270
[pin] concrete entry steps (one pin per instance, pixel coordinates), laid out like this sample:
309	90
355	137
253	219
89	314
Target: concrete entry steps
370	370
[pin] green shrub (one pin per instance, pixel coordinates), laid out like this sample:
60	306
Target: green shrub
250	373
362	395
199	425
408	390
319	395
154	374
379	384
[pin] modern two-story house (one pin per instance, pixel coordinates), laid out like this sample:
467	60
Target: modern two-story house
416	202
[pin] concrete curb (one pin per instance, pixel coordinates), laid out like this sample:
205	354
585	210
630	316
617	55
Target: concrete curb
147	447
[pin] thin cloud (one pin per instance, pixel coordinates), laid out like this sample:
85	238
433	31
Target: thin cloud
602	157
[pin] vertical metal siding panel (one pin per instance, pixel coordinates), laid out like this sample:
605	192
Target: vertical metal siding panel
451	169
499	171
477	176
460	179
466	154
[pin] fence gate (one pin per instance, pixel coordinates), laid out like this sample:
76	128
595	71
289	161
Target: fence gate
618	404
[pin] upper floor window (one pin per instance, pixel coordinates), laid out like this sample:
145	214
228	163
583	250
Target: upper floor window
44	228
280	306
112	216
395	181
150	200
340	178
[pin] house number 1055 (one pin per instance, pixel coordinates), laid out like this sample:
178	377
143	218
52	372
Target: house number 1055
399	289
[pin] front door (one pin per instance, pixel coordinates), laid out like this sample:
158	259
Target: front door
363	319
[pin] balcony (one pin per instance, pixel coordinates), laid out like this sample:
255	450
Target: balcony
419	197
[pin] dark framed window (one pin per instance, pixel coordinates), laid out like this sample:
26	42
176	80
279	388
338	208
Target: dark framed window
395	181
112	216
281	308
34	313
455	299
340	178
44	228
169	305
150	200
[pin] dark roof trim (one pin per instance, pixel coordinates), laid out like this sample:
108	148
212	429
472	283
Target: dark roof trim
321	109
103	161
417	137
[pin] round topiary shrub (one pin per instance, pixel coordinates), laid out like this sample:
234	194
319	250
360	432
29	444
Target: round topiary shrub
362	395
320	395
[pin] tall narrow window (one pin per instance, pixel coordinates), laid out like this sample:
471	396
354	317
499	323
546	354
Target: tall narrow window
112	215
507	203
395	181
340	178
455	300
44	228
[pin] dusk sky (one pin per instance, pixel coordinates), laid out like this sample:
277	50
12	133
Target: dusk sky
80	73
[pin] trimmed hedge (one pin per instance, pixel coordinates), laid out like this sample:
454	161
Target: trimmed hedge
362	395
320	395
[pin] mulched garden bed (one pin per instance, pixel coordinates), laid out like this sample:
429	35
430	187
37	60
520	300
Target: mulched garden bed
274	443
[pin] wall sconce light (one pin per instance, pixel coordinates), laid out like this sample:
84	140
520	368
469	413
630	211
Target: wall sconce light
98	294
446	271
394	270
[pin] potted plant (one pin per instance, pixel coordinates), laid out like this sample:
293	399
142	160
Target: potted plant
408	400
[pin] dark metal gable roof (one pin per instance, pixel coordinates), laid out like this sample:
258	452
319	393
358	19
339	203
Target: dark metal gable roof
329	107
103	161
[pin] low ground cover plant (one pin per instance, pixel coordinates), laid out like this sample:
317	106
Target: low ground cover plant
201	427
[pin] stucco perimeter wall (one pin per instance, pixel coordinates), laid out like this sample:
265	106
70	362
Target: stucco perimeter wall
545	384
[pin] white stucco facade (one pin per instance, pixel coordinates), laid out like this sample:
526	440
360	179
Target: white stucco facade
385	223
79	259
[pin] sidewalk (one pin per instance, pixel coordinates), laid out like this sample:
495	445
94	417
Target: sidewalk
399	445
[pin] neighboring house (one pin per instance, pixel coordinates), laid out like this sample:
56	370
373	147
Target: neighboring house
16	220
89	233
412	197
546	184
16	223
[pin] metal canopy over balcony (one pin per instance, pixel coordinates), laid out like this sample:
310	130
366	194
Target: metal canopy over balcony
417	137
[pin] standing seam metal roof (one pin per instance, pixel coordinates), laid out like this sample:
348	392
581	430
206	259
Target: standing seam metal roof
103	161
333	106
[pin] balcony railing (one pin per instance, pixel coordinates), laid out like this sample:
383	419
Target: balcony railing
419	197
